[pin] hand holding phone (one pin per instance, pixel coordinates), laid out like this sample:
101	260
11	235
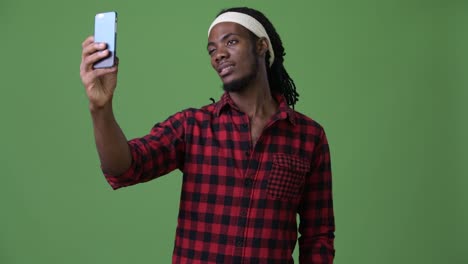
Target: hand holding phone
105	31
98	68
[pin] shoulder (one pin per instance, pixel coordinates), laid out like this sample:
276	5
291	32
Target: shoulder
311	132
193	114
200	111
307	122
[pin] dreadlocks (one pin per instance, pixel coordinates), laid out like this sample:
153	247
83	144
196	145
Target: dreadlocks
278	77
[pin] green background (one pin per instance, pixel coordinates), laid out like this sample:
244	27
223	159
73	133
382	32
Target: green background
387	80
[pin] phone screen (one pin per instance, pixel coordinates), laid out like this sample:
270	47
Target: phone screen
105	30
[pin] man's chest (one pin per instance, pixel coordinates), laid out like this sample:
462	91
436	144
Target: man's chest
222	158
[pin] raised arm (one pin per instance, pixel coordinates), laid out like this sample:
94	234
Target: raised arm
100	84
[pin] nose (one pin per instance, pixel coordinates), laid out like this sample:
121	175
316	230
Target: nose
221	54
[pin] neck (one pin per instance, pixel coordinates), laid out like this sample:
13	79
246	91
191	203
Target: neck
256	100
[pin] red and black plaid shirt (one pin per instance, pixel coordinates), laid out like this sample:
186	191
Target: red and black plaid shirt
239	202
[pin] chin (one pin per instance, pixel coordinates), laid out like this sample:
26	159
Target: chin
239	84
234	86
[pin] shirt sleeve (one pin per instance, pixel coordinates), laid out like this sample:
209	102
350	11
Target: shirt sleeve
317	223
156	154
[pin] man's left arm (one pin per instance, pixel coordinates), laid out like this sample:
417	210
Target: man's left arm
317	222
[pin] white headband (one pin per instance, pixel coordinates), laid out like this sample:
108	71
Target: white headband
248	22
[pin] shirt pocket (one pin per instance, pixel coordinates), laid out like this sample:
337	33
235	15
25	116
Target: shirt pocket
287	176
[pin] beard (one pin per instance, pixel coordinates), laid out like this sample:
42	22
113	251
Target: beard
242	83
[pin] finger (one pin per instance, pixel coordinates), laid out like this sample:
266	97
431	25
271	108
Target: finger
89	60
87	41
101	72
92	48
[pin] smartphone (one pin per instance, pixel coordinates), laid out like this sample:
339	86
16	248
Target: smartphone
105	30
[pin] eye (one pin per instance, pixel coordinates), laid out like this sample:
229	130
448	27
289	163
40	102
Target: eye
232	42
211	51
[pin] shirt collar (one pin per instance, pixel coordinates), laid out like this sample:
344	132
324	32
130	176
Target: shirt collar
284	111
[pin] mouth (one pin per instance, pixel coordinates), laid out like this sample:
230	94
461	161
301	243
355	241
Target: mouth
225	69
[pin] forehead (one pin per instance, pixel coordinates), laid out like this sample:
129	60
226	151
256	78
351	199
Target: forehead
224	28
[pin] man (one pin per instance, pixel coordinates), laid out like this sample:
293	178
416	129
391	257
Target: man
250	162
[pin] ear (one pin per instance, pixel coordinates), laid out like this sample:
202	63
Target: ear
262	46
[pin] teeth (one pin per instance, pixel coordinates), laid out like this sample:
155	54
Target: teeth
225	69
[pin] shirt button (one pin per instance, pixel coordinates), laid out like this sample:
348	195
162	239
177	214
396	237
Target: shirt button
247	153
242	221
243	213
248	182
239	242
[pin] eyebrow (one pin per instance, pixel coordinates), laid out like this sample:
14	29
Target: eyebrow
222	38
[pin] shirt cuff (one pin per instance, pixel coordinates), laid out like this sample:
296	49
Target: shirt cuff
125	179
